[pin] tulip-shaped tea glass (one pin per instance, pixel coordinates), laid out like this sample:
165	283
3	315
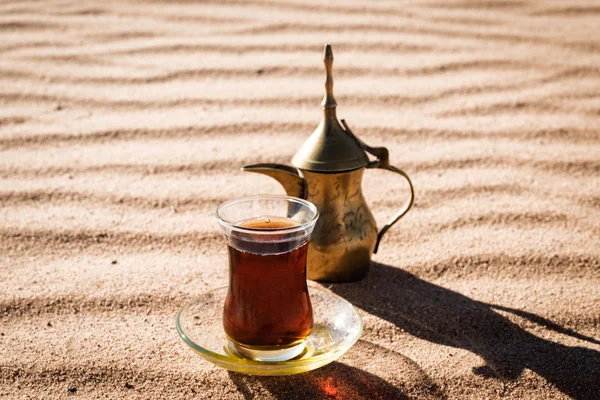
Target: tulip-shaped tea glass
267	314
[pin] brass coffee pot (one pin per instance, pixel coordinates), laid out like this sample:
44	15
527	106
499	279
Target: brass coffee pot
328	172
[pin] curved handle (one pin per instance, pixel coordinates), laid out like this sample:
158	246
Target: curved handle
383	162
404	208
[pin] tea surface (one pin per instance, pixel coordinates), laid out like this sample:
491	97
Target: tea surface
268	223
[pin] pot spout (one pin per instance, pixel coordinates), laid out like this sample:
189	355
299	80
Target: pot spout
289	177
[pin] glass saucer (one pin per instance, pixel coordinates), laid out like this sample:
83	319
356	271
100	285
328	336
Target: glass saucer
337	326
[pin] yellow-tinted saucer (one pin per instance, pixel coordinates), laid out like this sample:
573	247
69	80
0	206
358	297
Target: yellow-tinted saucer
337	326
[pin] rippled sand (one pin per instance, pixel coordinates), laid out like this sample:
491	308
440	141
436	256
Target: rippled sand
123	124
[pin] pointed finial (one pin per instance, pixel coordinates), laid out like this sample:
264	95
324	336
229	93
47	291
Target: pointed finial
328	100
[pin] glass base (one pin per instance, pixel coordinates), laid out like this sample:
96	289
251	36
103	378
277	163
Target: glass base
268	355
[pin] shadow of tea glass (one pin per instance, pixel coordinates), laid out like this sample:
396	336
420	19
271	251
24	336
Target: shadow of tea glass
267	314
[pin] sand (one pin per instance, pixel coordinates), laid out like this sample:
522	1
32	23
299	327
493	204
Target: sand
123	124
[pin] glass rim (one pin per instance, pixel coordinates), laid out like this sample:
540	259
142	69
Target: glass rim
260	231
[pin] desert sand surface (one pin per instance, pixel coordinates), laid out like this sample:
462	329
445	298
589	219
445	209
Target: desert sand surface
123	125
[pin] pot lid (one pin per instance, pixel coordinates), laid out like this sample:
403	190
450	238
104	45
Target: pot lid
329	148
